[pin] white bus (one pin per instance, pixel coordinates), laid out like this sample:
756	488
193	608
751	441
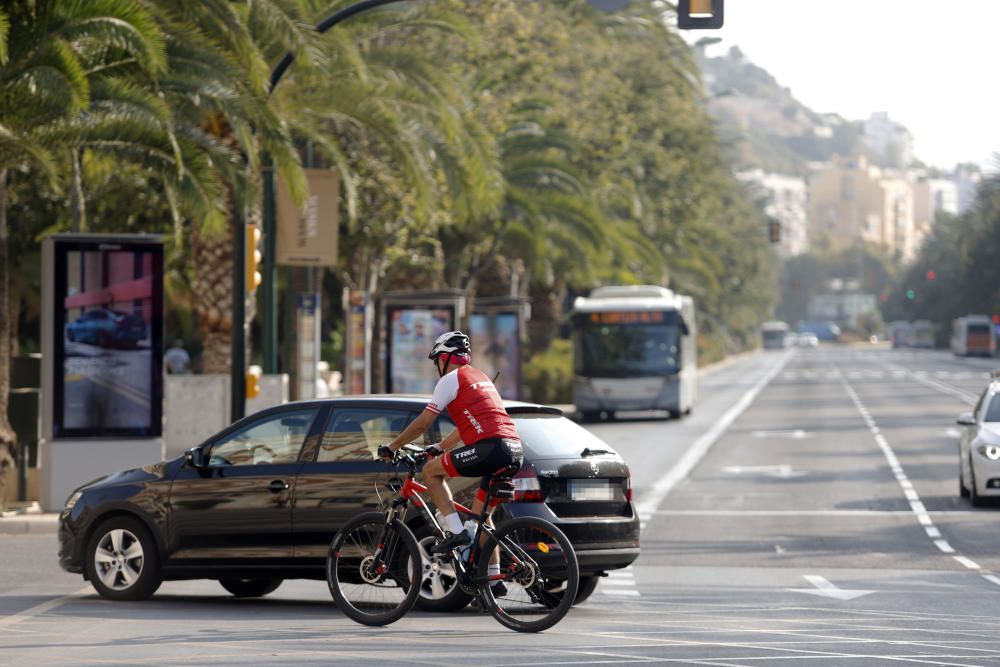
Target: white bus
972	335
774	335
634	349
923	334
900	333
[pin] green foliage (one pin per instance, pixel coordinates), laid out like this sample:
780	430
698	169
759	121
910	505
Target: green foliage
548	375
964	254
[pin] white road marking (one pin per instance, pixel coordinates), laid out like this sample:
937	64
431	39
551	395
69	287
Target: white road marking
783	471
619	583
686	464
916	506
39	609
797	434
825	589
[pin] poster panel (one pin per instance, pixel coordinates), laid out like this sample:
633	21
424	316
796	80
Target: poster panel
496	350
309	238
308	318
109	342
358	318
412	332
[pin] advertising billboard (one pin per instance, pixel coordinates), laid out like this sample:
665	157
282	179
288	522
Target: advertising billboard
358	315
108	343
412	332
496	349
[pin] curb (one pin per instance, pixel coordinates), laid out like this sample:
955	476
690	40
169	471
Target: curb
34	524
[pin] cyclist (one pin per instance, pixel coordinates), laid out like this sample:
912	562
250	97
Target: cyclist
483	425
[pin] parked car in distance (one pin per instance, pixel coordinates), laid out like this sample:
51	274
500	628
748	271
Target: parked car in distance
107	328
979	448
260	501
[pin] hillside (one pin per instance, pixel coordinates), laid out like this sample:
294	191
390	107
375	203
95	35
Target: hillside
761	124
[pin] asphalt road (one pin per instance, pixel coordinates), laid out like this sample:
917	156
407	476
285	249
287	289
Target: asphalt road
807	512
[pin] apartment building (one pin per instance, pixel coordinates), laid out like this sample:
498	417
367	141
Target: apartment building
786	202
851	200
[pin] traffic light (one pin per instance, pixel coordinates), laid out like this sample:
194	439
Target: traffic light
774	231
253	259
996	319
911	295
931	275
699	14
253	381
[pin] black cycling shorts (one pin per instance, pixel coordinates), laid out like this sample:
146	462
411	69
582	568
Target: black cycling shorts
483	458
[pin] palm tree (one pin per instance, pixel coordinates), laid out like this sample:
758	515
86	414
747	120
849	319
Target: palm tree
43	80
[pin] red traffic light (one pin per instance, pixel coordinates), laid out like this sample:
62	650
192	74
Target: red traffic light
931	275
996	319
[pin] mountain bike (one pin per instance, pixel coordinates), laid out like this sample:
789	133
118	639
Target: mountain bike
375	568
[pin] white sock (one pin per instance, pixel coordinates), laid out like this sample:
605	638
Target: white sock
453	523
494	569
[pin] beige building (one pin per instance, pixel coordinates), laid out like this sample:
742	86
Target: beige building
786	203
853	200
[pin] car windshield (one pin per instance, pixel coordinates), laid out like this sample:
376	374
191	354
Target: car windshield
993	412
553	436
630	349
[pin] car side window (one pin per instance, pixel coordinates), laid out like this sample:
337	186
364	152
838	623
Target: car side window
444	426
354	434
273	439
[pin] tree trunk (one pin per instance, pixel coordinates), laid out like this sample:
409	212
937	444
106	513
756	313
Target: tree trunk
212	294
78	212
7	437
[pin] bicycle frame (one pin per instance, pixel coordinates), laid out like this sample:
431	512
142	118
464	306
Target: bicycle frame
410	492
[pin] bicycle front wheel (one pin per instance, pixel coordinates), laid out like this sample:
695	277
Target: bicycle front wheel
539	575
373	569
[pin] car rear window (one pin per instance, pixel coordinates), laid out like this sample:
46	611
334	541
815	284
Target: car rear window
554	436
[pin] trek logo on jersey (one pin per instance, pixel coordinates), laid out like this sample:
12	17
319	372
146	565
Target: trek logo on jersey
485	384
472	420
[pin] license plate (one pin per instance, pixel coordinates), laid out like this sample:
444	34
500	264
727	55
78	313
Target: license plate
589	489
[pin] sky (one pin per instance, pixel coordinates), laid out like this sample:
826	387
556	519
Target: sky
931	64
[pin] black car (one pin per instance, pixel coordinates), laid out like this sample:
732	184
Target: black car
260	501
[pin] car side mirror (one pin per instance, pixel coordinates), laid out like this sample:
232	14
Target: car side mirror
966	419
195	458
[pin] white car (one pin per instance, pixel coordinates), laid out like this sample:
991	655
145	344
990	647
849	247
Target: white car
806	339
979	448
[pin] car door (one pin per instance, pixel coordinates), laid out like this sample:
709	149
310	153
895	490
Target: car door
237	510
339	482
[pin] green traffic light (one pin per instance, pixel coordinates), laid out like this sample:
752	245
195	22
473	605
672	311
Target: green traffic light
911	295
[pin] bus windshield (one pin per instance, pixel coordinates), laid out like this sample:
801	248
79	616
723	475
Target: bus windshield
628	348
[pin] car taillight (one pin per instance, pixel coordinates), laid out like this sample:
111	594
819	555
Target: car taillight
526	486
628	486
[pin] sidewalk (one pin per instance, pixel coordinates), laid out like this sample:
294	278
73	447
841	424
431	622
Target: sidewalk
28	520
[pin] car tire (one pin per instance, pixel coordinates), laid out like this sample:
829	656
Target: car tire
70	335
454	599
975	499
588	584
673	414
250	588
589	417
122	562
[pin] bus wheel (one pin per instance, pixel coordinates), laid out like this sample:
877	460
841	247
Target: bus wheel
590	416
673	414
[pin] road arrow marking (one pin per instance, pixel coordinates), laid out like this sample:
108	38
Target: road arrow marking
783	471
825	589
797	434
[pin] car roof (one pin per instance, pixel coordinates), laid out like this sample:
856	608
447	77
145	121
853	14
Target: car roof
419	401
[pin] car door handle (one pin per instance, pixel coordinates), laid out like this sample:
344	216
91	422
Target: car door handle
277	486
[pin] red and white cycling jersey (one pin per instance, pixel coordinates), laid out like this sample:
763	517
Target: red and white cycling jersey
474	404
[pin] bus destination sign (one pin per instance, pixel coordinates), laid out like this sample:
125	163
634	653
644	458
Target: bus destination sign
627	317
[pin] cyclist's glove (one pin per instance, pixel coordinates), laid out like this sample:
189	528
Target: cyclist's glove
385	452
434	450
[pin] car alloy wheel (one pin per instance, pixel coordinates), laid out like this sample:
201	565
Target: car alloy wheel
122	562
439	589
119	558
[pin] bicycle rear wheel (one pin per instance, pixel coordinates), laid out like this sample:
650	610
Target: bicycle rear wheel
373	570
540	575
